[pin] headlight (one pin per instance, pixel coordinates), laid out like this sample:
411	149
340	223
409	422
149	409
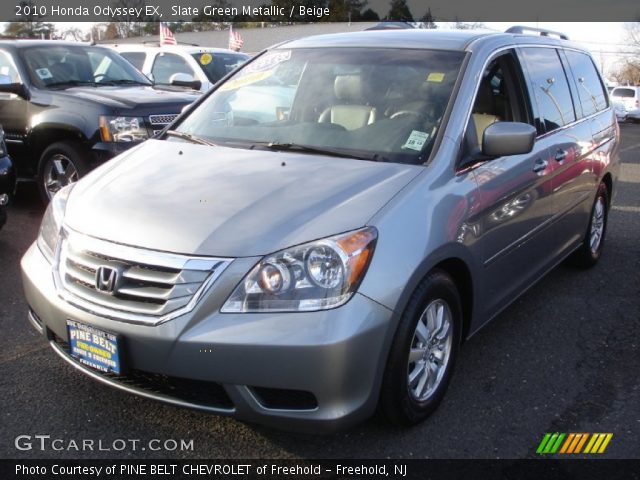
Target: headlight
123	129
52	222
315	276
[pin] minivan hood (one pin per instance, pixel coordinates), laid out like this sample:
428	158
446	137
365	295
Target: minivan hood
217	201
128	97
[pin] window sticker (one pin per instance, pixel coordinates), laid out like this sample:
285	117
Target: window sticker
268	61
205	59
416	140
435	77
244	80
44	73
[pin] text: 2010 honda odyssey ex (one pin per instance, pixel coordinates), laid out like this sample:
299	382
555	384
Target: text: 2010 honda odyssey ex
319	234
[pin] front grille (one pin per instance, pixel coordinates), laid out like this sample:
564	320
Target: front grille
162	120
285	399
148	286
194	392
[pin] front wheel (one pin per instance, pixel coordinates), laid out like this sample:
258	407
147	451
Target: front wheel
423	353
590	251
61	164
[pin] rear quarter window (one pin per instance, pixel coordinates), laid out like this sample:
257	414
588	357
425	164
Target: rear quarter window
623	92
592	95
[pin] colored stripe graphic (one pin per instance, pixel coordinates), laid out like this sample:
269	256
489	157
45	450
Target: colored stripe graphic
550	443
573	443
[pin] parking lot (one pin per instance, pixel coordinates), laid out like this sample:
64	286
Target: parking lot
565	357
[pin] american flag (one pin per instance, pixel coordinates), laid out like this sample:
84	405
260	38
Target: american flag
166	37
235	40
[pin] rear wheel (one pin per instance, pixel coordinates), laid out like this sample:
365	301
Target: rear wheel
593	243
61	164
423	352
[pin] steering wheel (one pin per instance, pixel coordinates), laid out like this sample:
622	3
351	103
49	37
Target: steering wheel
401	113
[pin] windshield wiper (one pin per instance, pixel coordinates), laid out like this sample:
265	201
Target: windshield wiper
189	138
71	83
123	81
288	147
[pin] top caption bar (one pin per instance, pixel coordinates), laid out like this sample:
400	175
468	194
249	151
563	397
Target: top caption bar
284	11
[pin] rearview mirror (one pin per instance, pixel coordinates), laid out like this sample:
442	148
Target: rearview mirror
15	88
501	139
185	80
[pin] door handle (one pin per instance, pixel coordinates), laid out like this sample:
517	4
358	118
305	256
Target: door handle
561	155
540	166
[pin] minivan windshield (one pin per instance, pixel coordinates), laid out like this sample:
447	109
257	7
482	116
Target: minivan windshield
372	103
63	66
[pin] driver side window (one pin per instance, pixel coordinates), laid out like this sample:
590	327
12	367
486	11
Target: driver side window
500	97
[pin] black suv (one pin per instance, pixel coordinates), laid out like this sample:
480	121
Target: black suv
7	179
67	107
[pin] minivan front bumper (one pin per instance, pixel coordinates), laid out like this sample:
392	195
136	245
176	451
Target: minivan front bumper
308	371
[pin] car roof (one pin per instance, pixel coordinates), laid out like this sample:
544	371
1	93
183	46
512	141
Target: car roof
190	49
20	43
421	39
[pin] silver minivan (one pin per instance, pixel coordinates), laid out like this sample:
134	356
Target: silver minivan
298	261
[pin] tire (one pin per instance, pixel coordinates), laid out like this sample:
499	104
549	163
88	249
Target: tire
403	401
588	255
3	217
60	164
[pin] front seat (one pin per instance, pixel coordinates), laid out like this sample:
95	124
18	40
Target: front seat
484	110
352	113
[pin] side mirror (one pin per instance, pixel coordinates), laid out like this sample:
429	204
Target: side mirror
501	139
185	80
16	88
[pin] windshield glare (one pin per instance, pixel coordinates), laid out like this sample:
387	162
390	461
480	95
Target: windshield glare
57	65
386	102
216	65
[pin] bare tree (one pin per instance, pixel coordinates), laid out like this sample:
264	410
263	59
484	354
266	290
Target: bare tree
629	71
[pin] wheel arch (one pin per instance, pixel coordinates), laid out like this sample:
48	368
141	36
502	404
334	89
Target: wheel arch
607	179
44	136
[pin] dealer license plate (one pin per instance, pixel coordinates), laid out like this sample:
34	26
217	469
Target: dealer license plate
93	347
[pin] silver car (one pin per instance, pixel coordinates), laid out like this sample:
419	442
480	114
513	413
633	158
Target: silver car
299	261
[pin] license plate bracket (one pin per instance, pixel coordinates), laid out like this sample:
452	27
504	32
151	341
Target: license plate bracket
94	347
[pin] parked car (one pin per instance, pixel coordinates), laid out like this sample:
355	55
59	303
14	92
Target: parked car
629	99
67	107
7	179
182	65
620	110
300	268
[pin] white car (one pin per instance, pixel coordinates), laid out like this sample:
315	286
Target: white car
626	99
182	65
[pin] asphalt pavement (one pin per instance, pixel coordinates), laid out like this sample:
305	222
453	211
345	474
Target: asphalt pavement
565	357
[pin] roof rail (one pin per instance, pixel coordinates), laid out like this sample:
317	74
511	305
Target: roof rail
540	31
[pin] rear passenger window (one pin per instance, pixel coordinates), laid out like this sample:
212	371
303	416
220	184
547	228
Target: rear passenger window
591	92
135	58
549	87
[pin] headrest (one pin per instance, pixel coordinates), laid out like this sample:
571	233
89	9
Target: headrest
348	87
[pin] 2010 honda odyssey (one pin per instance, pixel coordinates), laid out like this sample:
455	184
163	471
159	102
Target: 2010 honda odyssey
320	233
